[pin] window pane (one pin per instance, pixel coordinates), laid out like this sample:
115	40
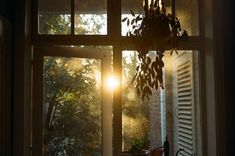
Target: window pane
127	5
173	111
54	17
187	12
72	106
135	113
91	17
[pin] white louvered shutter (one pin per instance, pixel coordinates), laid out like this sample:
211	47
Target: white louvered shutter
185	107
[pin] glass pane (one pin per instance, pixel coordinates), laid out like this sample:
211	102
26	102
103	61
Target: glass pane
127	5
187	12
54	17
173	111
135	113
72	106
91	17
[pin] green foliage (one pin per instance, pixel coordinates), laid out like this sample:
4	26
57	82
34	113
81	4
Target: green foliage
138	145
72	98
159	31
74	127
54	23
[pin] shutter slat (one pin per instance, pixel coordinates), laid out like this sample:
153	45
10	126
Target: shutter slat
185	145
184	103
185	85
184	112
184	81
186	108
183	135
185	75
185	98
186	141
185	117
185	131
184	95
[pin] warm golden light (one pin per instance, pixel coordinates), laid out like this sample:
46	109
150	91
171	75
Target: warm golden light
112	82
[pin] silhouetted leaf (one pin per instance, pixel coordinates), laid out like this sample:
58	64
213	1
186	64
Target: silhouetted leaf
153	74
160	28
133	79
132	21
156	85
149	60
124	19
138	91
132	13
149	80
152	84
176	52
138	18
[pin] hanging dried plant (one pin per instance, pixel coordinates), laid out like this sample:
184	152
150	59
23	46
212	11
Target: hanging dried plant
160	31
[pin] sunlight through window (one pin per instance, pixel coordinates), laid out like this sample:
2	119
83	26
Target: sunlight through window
112	82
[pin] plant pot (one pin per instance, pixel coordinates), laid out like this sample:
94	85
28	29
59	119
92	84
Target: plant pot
128	153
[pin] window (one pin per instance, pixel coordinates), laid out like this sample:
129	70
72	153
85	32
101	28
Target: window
72	17
72	103
173	111
91	17
54	17
72	107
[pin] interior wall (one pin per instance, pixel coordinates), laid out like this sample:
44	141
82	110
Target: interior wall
229	40
5	78
22	78
5	87
21	73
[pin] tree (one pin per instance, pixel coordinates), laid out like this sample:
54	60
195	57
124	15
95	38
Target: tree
72	104
72	98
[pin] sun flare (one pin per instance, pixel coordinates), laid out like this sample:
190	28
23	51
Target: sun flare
112	82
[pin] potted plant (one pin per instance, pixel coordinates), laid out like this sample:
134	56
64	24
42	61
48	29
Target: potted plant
158	31
138	148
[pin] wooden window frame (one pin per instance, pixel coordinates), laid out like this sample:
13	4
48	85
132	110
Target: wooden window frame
119	44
